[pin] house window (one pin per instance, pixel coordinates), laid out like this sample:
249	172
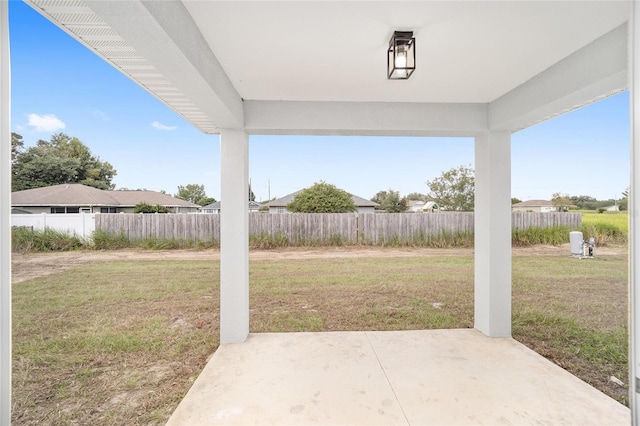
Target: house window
281	209
108	210
85	210
62	210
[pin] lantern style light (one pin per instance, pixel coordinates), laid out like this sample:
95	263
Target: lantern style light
401	56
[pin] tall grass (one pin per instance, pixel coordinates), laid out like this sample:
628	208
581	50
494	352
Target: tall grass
606	228
266	241
26	239
105	241
555	235
442	239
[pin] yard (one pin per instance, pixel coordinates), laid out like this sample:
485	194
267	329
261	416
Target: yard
117	337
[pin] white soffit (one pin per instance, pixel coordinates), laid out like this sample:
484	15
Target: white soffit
77	19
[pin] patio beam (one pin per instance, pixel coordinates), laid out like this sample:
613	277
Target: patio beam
594	72
492	313
234	236
5	217
164	33
364	118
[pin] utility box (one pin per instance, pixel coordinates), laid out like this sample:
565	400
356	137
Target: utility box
577	243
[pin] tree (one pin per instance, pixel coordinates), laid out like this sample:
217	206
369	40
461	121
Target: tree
63	159
454	189
624	202
252	196
515	200
390	201
416	196
561	201
194	193
17	146
322	198
585	202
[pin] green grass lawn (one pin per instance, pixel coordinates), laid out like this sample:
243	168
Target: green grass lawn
121	342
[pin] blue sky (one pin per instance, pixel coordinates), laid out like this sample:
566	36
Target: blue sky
58	85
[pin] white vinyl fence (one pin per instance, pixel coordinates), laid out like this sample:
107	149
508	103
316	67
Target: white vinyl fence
81	225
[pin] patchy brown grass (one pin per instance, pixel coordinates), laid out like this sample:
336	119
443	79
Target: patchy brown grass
575	312
120	341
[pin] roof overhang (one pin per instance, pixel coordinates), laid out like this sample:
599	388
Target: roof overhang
318	67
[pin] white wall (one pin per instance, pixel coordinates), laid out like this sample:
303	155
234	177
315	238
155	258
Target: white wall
5	215
81	225
366	210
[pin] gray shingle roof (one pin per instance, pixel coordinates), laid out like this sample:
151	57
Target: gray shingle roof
212	206
534	203
82	195
131	198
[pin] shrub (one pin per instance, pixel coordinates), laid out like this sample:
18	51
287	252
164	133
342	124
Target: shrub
143	207
322	197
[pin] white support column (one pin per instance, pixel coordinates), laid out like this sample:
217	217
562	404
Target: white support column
634	214
234	236
493	234
5	217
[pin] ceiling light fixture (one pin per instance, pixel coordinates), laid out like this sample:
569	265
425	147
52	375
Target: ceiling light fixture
401	56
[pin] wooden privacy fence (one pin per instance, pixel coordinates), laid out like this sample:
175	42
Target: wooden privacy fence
188	227
306	228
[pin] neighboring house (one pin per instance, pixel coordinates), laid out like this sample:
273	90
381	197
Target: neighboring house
280	205
77	198
215	207
614	208
418	206
415	206
537	206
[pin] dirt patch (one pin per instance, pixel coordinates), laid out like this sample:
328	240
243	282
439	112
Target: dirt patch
33	265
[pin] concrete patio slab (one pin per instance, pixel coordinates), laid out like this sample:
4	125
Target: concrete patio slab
398	377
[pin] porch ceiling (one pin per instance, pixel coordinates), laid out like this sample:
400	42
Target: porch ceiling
467	52
222	63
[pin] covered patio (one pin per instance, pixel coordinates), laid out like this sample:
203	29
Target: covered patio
425	377
484	69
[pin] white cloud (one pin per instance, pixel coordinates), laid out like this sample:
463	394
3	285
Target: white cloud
160	126
45	123
101	115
